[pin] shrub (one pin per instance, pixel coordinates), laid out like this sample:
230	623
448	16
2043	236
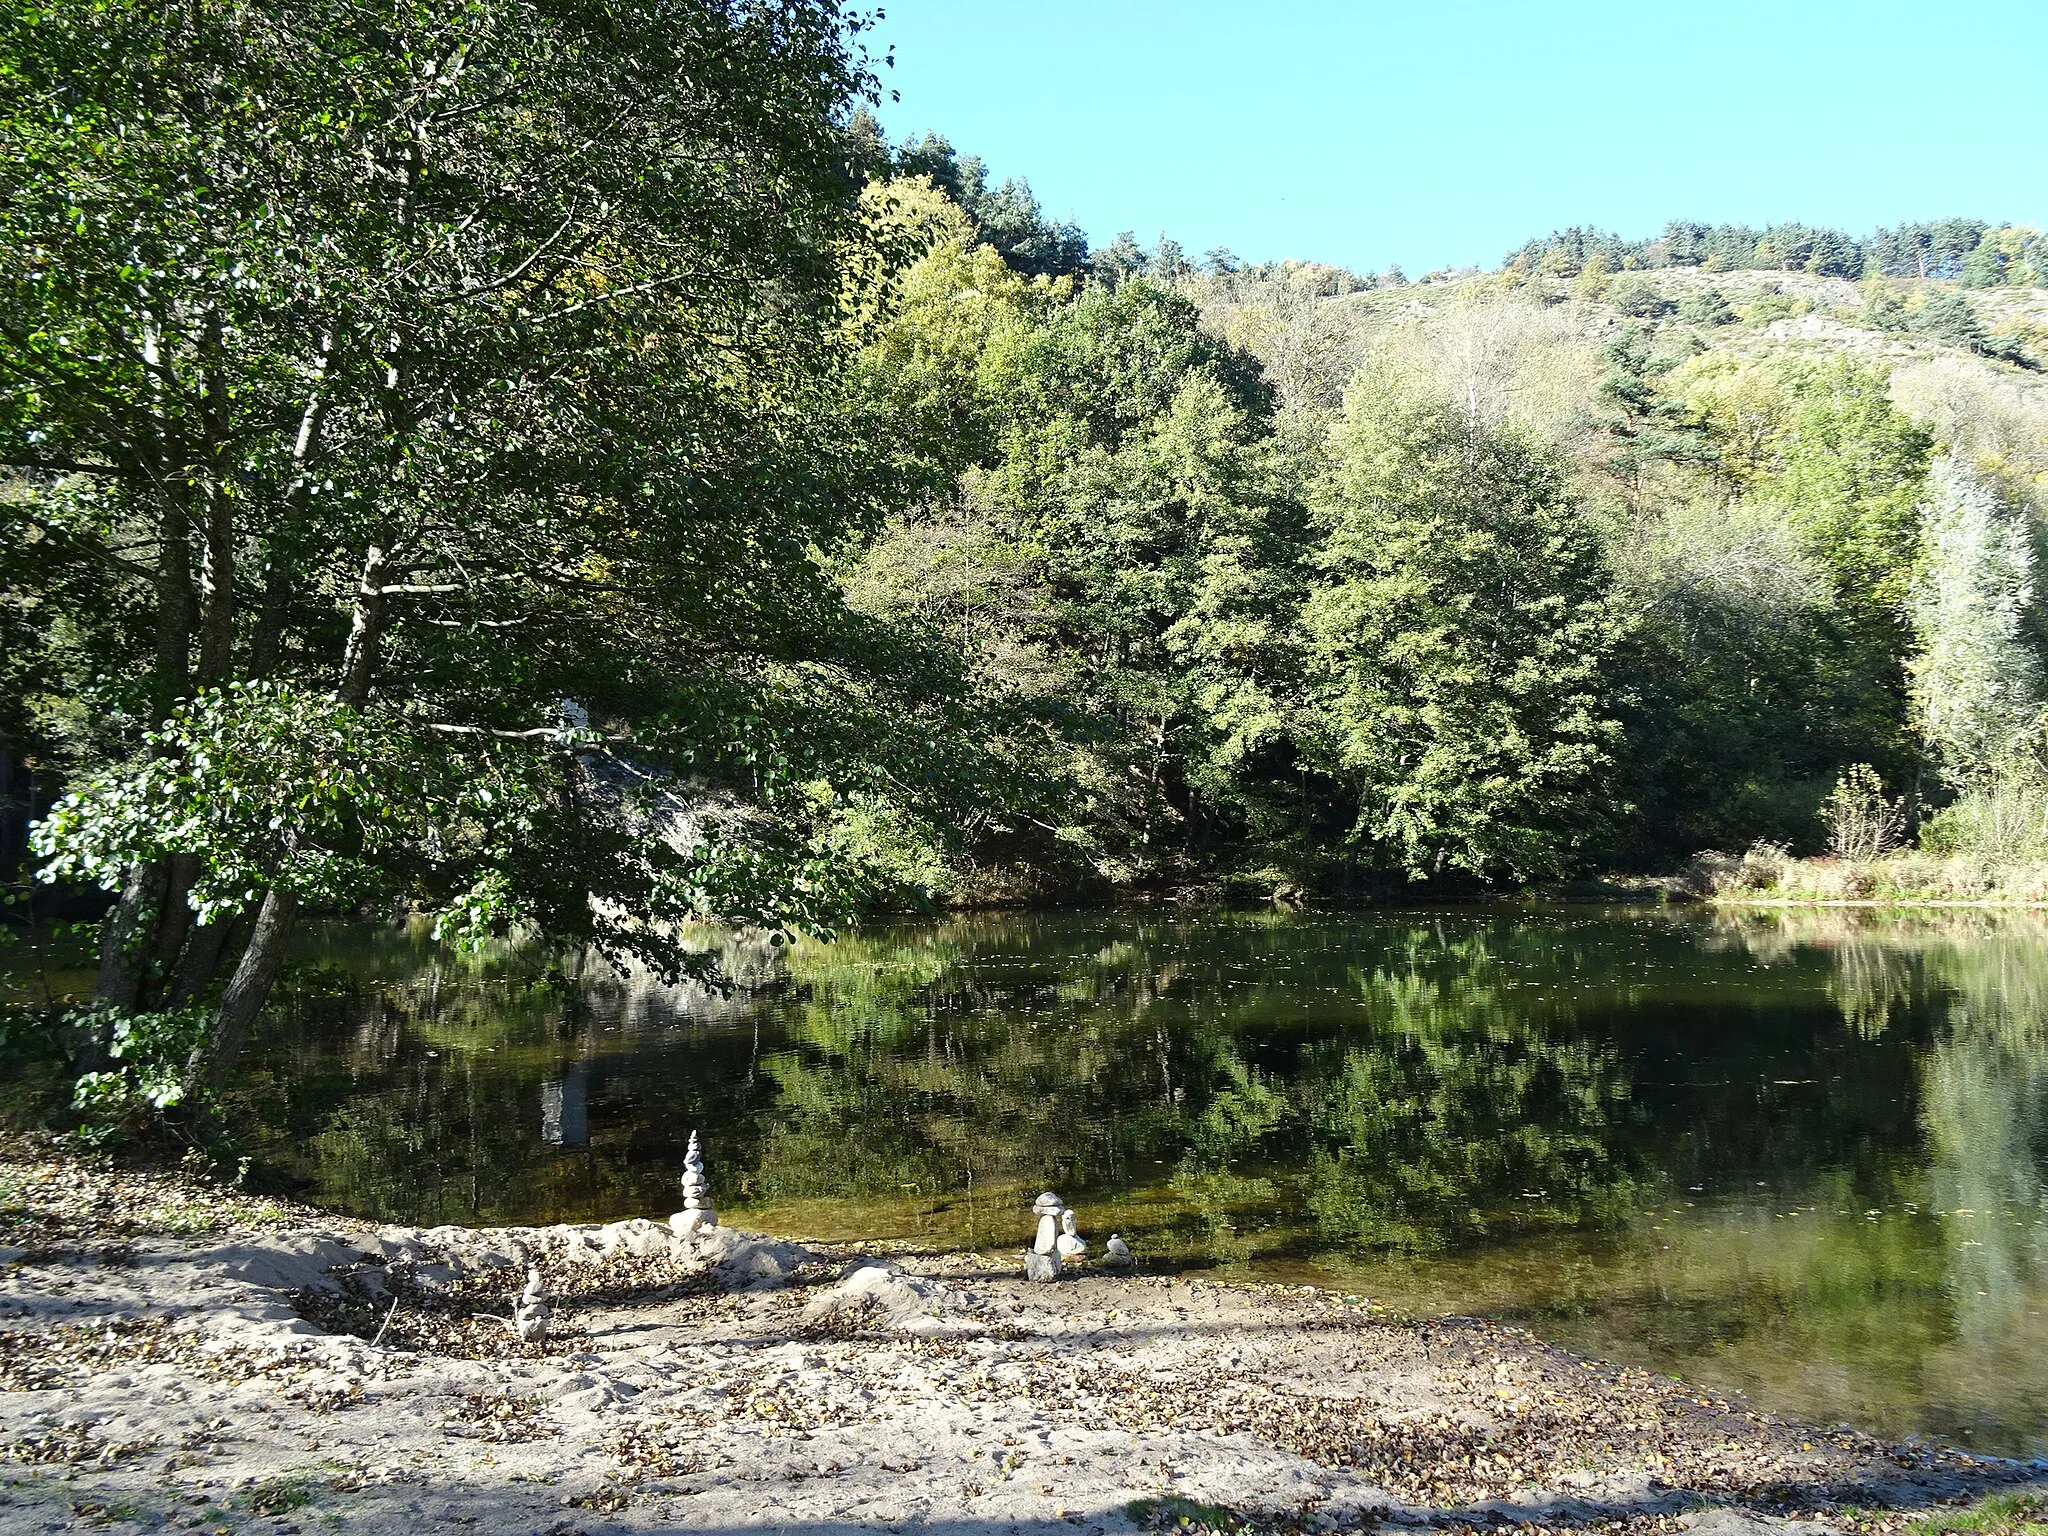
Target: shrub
1762	867
1636	297
1772	304
1862	824
2002	821
1709	306
151	1049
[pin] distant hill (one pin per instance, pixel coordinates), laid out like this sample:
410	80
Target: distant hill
1971	251
1529	341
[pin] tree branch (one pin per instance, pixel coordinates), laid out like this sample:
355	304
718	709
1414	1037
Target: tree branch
61	466
561	734
85	546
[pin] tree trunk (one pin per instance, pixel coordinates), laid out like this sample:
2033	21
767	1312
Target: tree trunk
213	1059
366	632
174	606
124	939
128	936
270	617
174	918
217	524
203	950
277	574
216	592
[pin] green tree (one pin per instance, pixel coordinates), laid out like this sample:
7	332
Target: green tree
1648	427
1114	558
1951	317
1817	450
1707	306
1977	679
1120	259
1935	249
1948	317
1846	468
441	366
1732	732
933	156
1639	299
1012	221
1461	627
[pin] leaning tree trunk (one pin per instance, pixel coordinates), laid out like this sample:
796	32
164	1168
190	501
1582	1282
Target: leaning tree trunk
213	1058
125	948
173	921
204	947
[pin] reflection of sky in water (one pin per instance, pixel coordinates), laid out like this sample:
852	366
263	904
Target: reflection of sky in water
1802	1155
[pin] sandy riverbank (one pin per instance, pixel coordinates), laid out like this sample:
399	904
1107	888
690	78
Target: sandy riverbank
173	1355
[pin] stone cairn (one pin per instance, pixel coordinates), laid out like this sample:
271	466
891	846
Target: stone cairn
1058	1244
1042	1262
531	1313
696	1214
1070	1245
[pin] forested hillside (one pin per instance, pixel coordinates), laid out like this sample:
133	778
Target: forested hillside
542	470
1288	576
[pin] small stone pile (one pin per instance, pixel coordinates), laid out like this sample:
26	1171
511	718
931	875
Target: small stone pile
1042	1261
1056	1244
530	1315
1071	1246
696	1214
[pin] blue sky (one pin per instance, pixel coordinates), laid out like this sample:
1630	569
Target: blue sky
1441	134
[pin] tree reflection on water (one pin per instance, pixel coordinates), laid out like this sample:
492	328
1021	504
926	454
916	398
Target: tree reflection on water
1801	1153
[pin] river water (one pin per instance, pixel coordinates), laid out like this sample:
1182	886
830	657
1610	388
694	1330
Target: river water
1802	1155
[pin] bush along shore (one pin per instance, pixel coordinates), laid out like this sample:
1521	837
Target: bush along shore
1769	874
1988	847
174	1352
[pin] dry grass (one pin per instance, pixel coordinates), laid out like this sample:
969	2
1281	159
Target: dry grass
1767	872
